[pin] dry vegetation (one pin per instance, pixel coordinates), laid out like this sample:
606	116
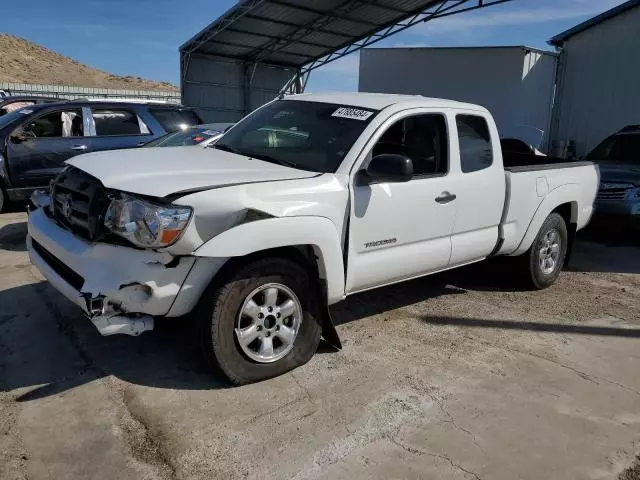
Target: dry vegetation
22	61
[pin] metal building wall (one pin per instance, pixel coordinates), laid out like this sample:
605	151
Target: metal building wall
515	83
225	90
599	89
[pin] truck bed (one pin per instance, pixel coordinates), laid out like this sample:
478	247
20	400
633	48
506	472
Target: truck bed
528	186
520	162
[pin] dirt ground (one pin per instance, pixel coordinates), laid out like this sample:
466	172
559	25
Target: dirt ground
456	376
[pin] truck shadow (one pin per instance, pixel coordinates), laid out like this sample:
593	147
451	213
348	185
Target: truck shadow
12	237
606	252
385	299
533	326
47	347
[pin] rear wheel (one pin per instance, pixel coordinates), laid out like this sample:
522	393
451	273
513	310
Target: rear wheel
546	256
263	322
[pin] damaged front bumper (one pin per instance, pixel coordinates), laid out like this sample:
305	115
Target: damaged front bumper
120	288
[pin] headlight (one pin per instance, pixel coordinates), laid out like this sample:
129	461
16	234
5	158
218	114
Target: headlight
144	223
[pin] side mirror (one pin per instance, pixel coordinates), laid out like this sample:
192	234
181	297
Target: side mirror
388	167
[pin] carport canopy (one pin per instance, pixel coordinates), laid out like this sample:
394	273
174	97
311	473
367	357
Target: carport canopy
294	37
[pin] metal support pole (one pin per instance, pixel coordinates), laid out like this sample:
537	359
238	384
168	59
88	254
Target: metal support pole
247	74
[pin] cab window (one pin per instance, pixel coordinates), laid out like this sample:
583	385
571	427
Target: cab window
476	151
422	138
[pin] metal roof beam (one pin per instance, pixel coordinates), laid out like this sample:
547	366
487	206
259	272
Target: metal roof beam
321	13
247	47
373	3
302	30
444	9
295	25
239	11
264	35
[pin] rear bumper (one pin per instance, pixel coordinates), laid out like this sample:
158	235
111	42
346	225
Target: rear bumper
127	279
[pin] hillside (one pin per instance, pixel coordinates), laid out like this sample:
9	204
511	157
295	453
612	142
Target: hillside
22	61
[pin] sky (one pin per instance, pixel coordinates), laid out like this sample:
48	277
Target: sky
142	37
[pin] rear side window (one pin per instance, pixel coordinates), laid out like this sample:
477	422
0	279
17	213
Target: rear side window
110	122
173	120
476	151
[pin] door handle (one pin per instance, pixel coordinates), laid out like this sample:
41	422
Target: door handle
445	197
79	147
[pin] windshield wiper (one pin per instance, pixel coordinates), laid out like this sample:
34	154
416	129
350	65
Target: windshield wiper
268	158
226	148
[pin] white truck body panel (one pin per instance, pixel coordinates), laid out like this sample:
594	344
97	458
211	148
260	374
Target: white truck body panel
361	235
534	194
159	172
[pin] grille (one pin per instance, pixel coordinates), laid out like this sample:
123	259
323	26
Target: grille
69	276
78	202
613	194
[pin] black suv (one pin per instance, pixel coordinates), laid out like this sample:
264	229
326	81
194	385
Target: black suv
36	140
11	103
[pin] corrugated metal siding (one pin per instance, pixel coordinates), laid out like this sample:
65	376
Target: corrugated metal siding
600	82
215	86
516	85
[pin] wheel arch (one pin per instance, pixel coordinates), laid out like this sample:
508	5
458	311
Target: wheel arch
563	201
569	213
312	241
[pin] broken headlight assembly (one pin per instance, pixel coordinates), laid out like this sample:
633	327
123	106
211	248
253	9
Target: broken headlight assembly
146	224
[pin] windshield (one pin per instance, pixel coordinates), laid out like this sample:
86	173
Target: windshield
305	135
11	117
188	137
624	147
174	120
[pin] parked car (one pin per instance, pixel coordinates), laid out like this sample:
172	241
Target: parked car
15	102
202	135
618	157
516	145
36	141
309	199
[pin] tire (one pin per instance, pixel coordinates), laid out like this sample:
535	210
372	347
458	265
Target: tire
220	321
3	200
545	258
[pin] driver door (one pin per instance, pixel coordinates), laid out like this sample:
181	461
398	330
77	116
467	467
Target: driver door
38	149
403	230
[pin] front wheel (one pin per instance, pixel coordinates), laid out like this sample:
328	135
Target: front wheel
546	256
263	322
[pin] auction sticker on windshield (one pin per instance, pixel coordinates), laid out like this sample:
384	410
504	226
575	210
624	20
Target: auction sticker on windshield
352	113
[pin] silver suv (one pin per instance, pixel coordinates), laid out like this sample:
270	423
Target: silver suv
618	157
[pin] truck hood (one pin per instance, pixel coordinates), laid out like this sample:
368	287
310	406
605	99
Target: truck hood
620	173
163	171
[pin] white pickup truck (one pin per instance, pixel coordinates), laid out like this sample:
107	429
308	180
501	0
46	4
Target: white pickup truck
309	199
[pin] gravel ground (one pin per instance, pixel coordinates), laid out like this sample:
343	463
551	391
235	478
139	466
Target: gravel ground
460	375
